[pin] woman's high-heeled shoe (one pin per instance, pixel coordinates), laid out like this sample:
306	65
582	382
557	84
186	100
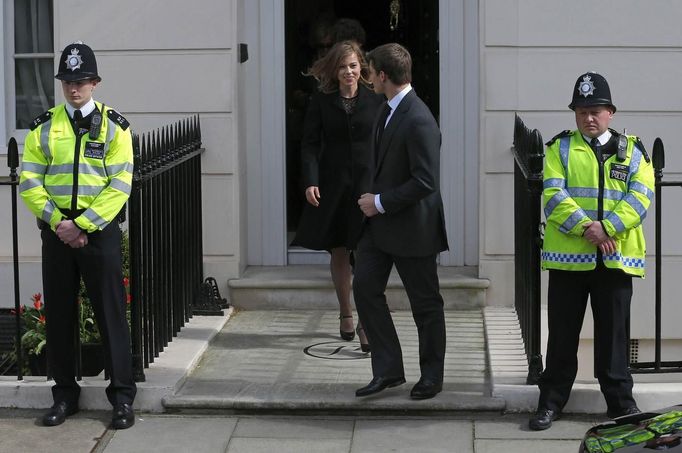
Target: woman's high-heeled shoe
346	335
364	347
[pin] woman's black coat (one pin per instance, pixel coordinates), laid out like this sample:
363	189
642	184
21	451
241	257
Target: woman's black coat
336	156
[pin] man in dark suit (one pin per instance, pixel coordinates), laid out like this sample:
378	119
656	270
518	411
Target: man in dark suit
404	226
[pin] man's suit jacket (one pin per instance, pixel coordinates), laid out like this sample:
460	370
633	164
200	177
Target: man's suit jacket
407	175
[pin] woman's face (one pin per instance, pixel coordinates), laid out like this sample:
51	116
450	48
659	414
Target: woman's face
349	71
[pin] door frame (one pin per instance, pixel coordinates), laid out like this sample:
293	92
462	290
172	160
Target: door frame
263	116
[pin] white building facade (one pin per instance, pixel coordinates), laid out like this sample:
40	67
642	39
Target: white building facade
163	60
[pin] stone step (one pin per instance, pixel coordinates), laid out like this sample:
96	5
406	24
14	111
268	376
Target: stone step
309	287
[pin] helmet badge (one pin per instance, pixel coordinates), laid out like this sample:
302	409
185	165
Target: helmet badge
73	61
586	87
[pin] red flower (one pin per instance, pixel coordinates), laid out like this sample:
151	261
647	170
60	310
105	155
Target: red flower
126	282
41	320
37	304
37	297
129	298
21	310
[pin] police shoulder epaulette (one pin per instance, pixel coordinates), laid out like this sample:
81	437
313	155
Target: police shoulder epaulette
640	145
118	119
561	134
43	118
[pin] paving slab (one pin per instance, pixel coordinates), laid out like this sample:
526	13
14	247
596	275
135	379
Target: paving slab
526	446
170	434
412	435
23	432
300	428
268	445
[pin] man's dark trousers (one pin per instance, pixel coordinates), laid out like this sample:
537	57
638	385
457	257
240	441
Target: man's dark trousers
99	263
610	293
420	278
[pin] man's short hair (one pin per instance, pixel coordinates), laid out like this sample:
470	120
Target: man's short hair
394	60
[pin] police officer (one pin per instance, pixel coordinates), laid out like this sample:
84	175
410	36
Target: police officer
76	177
598	185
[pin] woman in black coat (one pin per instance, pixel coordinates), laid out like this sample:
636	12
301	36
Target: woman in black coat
336	158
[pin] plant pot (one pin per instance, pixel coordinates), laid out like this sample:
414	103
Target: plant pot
92	359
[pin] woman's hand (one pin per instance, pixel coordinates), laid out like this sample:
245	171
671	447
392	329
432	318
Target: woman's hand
312	194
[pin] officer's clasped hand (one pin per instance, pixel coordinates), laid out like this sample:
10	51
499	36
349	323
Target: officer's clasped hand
67	231
595	234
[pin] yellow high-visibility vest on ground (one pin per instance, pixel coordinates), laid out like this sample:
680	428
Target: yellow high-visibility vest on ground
63	171
576	187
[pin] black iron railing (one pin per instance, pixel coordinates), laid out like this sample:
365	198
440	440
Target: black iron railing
165	231
13	182
658	366
165	244
528	156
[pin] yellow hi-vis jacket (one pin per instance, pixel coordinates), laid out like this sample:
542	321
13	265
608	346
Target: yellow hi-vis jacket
62	172
578	189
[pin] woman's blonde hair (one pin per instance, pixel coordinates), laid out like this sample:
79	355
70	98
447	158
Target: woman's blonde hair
326	68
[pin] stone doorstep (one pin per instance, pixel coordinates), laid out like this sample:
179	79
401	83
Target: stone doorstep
163	377
310	287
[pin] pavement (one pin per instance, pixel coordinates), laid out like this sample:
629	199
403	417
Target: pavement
469	432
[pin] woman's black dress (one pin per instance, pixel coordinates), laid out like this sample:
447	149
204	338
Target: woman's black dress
336	156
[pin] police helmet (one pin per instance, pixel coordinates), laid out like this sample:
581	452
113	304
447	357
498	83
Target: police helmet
591	89
77	63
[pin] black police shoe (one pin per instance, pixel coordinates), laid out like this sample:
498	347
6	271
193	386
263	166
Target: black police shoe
58	413
123	416
622	413
542	419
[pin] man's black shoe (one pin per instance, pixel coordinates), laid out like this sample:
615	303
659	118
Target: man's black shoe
58	413
542	419
622	413
123	417
378	384
425	389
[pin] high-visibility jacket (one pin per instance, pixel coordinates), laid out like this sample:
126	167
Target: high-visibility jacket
62	172
579	189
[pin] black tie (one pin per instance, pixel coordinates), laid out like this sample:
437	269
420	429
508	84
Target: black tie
381	125
596	146
77	115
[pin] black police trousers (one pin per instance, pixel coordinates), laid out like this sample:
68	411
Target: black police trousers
99	263
610	293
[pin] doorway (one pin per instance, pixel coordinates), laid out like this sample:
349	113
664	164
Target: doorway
308	25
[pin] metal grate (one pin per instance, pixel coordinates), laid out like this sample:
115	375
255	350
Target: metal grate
634	350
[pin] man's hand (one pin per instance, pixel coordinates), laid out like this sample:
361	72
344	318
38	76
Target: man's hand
312	194
594	232
367	206
80	241
67	231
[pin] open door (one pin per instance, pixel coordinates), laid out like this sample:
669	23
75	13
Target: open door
307	29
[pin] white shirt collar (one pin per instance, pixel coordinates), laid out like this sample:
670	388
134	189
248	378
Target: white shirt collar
393	103
603	138
85	110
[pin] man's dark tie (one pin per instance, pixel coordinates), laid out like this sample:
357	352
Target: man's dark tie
596	146
381	125
77	116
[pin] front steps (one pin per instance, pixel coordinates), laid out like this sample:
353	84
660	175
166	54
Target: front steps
309	287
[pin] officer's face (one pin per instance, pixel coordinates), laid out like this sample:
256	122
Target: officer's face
78	93
376	79
593	120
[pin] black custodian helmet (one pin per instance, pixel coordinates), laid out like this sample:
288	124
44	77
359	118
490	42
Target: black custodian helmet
77	63
591	89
